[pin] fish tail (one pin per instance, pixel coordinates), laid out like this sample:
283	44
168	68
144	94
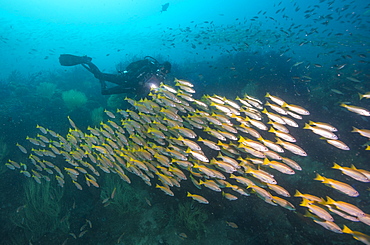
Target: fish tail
297	193
241	139
329	200
278	141
304	202
336	166
319	177
347	230
248	169
266	161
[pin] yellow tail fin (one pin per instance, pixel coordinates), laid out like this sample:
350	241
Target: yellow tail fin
347	230
298	194
304	202
336	166
319	177
329	200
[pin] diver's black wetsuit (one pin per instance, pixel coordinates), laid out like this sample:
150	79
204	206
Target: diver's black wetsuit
137	79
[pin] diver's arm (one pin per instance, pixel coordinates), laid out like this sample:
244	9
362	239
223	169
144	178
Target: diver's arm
113	78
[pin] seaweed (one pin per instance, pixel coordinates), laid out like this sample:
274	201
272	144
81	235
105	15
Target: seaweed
123	209
74	99
97	115
192	218
42	212
46	90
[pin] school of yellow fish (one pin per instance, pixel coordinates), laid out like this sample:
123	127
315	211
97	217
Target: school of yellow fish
215	142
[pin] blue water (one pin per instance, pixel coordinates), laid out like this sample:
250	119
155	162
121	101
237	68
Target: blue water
300	51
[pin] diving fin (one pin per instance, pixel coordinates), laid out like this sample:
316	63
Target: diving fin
72	60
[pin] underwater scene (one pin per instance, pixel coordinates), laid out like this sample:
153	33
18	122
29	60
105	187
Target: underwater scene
254	129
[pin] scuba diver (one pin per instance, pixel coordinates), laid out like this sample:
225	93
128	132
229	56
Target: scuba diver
138	78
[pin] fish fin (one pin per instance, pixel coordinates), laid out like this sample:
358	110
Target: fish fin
304	202
336	166
298	194
319	177
266	161
278	141
347	230
329	200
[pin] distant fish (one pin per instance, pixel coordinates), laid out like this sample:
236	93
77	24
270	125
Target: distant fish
165	7
353	79
336	91
297	63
